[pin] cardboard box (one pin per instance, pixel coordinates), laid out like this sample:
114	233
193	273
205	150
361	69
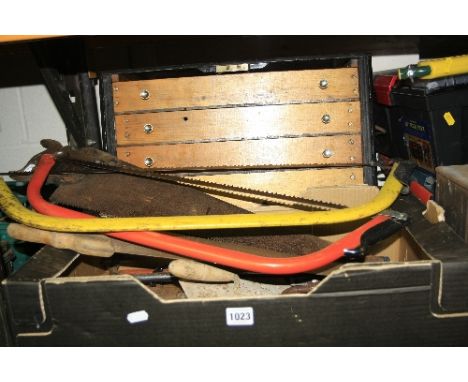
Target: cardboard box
419	298
452	194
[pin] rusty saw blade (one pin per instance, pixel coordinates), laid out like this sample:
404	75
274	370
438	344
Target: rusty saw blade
237	192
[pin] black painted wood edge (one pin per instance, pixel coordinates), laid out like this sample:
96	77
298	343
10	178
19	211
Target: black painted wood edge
107	113
367	119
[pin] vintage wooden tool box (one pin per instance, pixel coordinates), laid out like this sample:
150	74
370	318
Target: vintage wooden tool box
295	113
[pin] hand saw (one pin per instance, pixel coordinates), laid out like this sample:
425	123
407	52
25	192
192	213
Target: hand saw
237	192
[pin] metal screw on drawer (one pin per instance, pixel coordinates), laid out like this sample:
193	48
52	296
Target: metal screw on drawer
148	162
144	94
327	153
326	118
323	84
148	128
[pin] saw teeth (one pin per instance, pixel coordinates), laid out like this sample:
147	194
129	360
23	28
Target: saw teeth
266	199
259	196
284	198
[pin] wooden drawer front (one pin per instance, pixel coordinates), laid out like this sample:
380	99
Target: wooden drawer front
258	153
294	182
261	88
239	123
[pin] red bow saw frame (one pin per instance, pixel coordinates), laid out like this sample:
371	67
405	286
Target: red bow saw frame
354	243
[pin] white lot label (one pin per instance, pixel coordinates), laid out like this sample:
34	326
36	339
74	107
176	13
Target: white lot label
138	316
239	316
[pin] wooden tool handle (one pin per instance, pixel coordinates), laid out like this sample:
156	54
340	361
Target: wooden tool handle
86	244
91	245
195	271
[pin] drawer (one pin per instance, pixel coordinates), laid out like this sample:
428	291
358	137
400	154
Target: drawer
239	123
258	88
282	152
298	181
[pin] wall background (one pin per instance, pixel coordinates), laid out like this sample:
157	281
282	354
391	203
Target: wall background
27	113
381	63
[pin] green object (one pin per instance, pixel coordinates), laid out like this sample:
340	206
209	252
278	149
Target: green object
20	258
412	71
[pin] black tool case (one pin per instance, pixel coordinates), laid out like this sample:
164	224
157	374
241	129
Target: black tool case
421	302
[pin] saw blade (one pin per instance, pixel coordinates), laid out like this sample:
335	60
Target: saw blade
138	196
259	196
265	196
